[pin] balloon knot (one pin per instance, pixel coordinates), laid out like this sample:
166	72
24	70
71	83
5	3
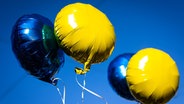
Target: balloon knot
80	71
54	81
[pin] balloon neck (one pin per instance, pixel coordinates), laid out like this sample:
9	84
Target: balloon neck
87	66
54	81
81	71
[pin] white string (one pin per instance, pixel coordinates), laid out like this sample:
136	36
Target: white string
64	90
93	93
84	84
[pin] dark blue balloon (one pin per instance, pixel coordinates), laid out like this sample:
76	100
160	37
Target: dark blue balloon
35	47
117	75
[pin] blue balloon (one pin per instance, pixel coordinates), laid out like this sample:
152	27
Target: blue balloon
35	47
117	75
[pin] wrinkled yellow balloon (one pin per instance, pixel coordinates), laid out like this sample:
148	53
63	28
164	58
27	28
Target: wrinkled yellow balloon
84	33
152	76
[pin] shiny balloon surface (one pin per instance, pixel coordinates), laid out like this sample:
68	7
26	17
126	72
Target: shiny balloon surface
35	47
117	75
152	76
84	33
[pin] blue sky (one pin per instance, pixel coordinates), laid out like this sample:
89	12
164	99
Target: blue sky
138	24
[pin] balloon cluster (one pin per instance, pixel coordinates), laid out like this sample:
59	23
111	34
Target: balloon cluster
149	76
80	30
83	32
86	36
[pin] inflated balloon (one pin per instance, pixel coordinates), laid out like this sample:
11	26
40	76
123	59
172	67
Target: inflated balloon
84	33
35	46
117	75
152	76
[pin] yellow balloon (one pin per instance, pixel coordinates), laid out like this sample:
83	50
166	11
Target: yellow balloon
84	33
152	76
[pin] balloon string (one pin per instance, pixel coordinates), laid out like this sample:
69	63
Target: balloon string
93	93
64	90
84	84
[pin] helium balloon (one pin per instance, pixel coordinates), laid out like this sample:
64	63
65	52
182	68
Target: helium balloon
84	33
35	46
152	76
117	75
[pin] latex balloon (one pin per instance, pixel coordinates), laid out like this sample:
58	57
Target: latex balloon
35	46
84	33
117	75
152	76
